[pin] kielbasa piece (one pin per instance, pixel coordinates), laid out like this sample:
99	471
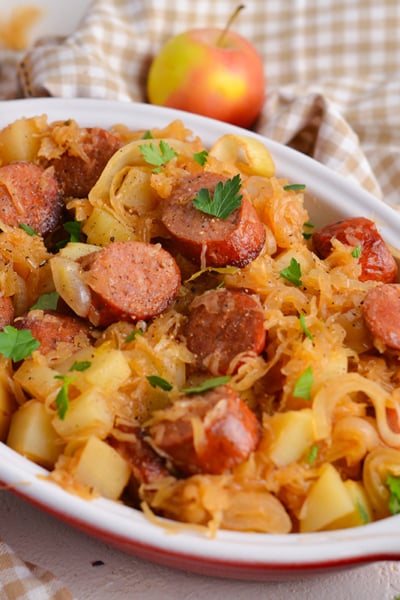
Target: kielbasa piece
207	433
377	263
78	173
6	311
51	329
30	195
130	281
221	324
236	240
381	310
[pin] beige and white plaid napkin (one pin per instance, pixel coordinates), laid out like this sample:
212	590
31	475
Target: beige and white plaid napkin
25	581
332	68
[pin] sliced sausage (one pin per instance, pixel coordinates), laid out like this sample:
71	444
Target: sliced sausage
221	324
377	263
6	311
30	195
208	433
130	281
78	173
236	240
51	328
381	310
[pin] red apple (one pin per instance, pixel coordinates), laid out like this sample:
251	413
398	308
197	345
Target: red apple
212	72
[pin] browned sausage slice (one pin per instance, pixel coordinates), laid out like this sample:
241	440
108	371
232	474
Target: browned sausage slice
208	433
130	280
51	328
381	311
30	195
6	311
78	174
377	263
236	240
221	324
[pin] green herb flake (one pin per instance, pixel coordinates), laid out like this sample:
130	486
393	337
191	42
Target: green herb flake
312	455
156	381
46	301
393	483
225	200
307	234
74	228
304	327
201	157
132	336
62	398
29	230
363	513
295	187
147	135
292	273
80	365
157	156
17	344
303	386
208	384
356	253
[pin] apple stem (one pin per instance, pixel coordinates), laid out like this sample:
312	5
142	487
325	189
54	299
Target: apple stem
229	23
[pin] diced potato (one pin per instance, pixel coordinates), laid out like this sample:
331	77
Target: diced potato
109	369
20	140
362	512
37	379
32	434
292	434
7	407
101	468
75	250
102	227
328	500
88	414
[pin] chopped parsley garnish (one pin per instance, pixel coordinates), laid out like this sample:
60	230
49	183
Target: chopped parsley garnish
201	157
304	327
294	187
147	135
74	229
225	200
132	336
307	234
46	301
312	455
80	365
17	344
208	384
156	381
356	252
29	230
292	273
393	483
303	385
157	156
363	513
62	398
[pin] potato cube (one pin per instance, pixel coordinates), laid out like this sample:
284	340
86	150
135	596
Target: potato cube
362	512
7	407
102	227
32	434
101	468
292	433
327	501
37	379
88	414
109	369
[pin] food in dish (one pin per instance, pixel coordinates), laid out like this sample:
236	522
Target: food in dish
244	382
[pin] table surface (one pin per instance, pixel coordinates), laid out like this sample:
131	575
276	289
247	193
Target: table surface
92	570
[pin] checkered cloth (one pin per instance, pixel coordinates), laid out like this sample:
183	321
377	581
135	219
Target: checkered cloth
332	68
24	581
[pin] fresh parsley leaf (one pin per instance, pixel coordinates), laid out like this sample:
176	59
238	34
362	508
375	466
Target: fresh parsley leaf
295	187
356	253
157	156
307	234
312	455
132	335
62	398
393	483
304	327
80	365
17	344
74	229
208	384
29	230
292	273
225	200
156	381
147	135
46	301
302	388
201	157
